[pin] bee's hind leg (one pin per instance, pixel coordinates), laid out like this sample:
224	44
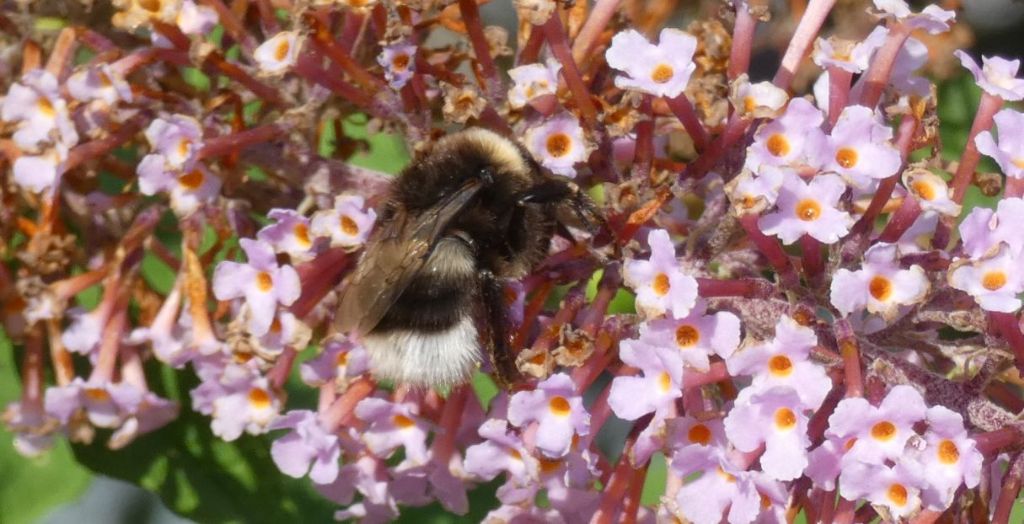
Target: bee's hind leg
497	334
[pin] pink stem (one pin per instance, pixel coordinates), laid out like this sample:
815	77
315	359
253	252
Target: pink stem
32	372
877	76
994	442
1010	490
278	374
850	351
769	247
600	14
643	154
846	510
1008	326
901	220
558	42
342	409
742	42
683	109
110	344
806	31
481	49
716	373
838	92
904	141
813	261
234	142
734	130
741	287
1014	188
63	367
131	367
307	68
987	109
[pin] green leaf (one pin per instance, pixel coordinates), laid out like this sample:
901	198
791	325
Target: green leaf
31	488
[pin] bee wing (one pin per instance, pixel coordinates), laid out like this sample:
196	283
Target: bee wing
395	253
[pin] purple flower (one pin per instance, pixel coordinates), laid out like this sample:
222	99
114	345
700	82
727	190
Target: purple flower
775	418
661	383
881	432
339	360
860	149
687	431
660	285
808	209
997	75
660	70
106	404
932	192
720	491
880	285
558	144
188	190
247	405
760	100
696	336
932	18
347	224
177	140
261	281
33	429
279	53
557	409
983	231
40	172
500	452
194	19
753	193
534	84
308	448
847	55
101	83
951	458
792	139
783	362
399	63
994	281
42	117
392	426
1009	151
152	413
288	234
825	462
896	488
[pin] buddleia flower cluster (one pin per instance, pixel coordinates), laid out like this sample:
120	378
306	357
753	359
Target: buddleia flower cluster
803	301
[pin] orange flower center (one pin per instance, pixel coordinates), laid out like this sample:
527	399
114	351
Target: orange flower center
883	431
264	281
281	51
349	226
341	360
150	5
661	284
259	398
400	62
559	406
97	394
993	280
846	157
191	180
558	144
301	232
785	419
699	434
183	146
808	210
665	382
898	494
729	477
948	452
780	366
778	145
749	104
46	108
275	326
402	422
687	336
924	190
880	287
662	73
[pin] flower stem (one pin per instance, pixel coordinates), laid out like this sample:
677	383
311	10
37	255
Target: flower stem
877	76
481	49
850	351
770	248
600	14
742	42
341	411
1008	326
838	92
643	154
234	142
901	220
558	42
683	109
110	343
806	31
904	139
740	287
987	109
1010	489
991	443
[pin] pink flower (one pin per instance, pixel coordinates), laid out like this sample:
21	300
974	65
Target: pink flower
279	53
983	231
339	360
106	404
849	56
760	100
32	427
189	190
533	84
792	139
399	63
881	432
660	285
177	140
719	491
951	458
558	144
660	70
994	281
261	281
932	192
38	173
194	19
391	426
997	75
35	105
808	209
347	224
687	431
896	488
246	404
100	83
932	18
783	362
860	149
880	285
695	337
752	193
500	452
1008	152
307	449
557	409
289	234
777	419
656	390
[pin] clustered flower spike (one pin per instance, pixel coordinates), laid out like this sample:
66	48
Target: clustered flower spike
767	288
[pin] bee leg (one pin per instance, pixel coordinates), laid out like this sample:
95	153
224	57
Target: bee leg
498	335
